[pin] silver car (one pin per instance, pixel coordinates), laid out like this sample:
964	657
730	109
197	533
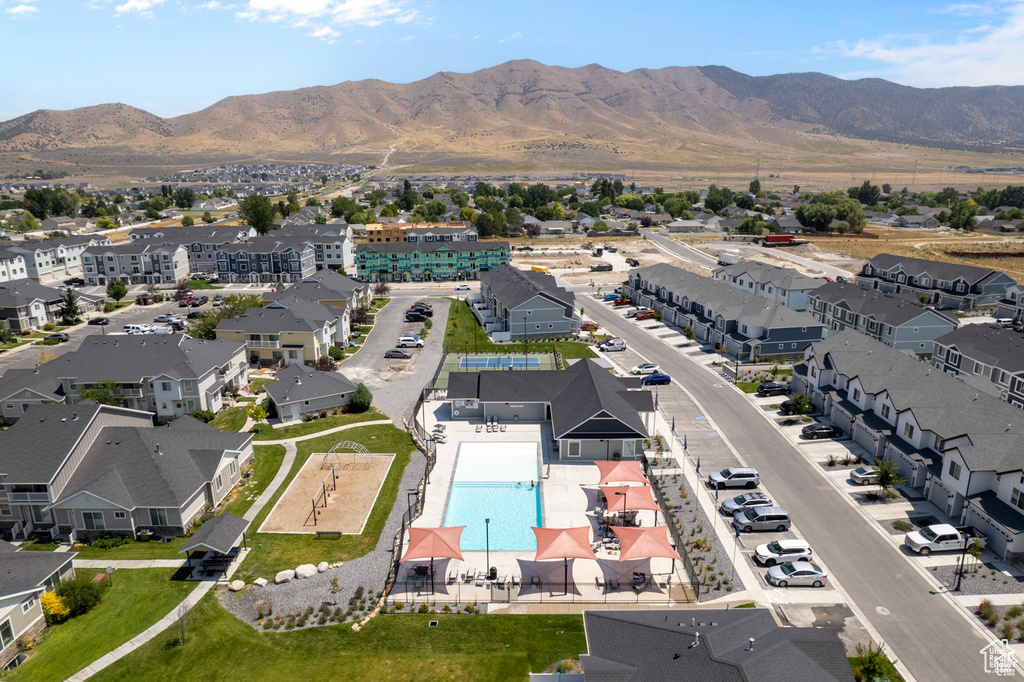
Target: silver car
864	475
797	573
738	504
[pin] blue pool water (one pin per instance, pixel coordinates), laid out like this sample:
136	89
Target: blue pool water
513	509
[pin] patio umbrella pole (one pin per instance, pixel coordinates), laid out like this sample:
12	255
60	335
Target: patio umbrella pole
566	562
431	575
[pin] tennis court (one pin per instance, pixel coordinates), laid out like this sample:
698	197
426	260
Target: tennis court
499	363
495	362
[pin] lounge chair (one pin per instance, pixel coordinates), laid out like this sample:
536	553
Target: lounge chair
452	577
515	581
479	428
600	582
502	427
480	577
535	580
470	575
613	584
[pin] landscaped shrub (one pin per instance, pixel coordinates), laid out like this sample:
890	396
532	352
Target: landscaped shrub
323	414
336	353
902	526
308	417
361	399
204	416
110	541
54	608
48	327
80	595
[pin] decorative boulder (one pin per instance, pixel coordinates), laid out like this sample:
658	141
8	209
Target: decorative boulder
321	567
305	571
261	582
284	577
236	585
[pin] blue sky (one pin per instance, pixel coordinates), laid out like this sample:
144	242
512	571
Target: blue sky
175	56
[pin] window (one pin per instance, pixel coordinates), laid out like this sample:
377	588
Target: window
1017	498
165	386
158	517
955	470
574	448
6	634
29	604
908	430
952	357
188	386
232	468
885	410
120	515
93	520
220	481
856	394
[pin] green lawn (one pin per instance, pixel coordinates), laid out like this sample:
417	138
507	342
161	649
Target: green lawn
748	386
135	600
247	399
464	333
197	284
273	552
268	461
391	647
256	385
321	424
135	550
231	419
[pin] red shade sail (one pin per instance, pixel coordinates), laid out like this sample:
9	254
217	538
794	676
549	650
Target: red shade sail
564	543
621	472
621	498
431	543
644	543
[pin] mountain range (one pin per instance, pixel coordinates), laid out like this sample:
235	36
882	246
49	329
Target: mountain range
523	113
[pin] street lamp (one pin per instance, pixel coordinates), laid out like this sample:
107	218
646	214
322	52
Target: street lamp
487	541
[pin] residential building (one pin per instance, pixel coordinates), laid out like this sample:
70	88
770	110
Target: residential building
391	233
415	262
785	286
734	644
135	263
87	470
332	289
202	243
332	243
593	414
897	320
922	221
285	331
67	226
266	259
300	390
555	228
957	446
56	258
960	286
515	304
747	325
29	575
986	356
26	305
12	266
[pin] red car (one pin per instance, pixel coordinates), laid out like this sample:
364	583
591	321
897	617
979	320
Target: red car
645	315
588	327
623	301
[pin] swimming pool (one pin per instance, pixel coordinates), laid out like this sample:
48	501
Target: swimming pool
496	481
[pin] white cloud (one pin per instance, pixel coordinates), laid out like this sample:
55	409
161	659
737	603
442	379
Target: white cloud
325	32
967	10
23	10
141	7
339	14
515	36
211	6
989	54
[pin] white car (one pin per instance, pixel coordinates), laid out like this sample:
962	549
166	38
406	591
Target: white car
798	573
646	368
166	317
781	551
410	341
463	287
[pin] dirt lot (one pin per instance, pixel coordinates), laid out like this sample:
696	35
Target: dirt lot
359	478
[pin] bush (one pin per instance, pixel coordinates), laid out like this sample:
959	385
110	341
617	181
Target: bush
204	416
361	399
54	608
80	595
111	541
48	327
48	342
109	307
336	353
902	526
307	417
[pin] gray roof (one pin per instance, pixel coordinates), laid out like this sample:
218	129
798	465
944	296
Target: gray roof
940	402
576	394
894	309
306	309
269	244
22	572
426	247
23	291
220	534
724	299
268	321
295	383
137	247
32	450
42	380
782	278
656	646
935	269
988	344
148	467
132	358
513	287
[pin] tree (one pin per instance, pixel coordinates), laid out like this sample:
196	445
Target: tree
29	222
745	201
600	226
7	336
181	288
336	353
816	216
962	215
258	212
888	476
105	393
188	221
325	363
755	186
886	188
69	308
184	197
208	218
689	333
255	412
105	223
116	289
320	220
361	399
800	403
381	289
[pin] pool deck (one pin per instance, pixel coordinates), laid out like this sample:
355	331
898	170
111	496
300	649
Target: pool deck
568	499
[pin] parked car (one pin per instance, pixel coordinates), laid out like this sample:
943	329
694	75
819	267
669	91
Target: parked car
414	316
99	321
611	345
166	317
645	368
176	325
398	353
622	301
864	475
75	282
658	379
772	388
782	551
735	477
410	341
427	312
195	314
202	300
762	518
218	301
636	311
462	287
797	573
646	315
741	502
184	302
422	304
59	336
821	431
787	407
633	262
942	537
610	297
588	327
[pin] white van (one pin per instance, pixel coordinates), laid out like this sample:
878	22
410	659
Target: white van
137	328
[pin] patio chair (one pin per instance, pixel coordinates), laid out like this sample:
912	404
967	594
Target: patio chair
452	577
502	427
600	582
535	580
502	580
515	581
613	584
479	428
480	579
470	575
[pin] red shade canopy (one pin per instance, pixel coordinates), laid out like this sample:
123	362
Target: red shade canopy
644	543
564	543
635	497
621	472
430	543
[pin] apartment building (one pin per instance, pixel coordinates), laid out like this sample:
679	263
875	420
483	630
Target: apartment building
135	263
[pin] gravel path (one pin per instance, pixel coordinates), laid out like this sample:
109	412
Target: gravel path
986	581
367	572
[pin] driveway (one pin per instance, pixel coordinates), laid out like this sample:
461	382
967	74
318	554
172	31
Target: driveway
932	637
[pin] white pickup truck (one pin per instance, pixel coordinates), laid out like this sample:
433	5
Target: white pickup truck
942	537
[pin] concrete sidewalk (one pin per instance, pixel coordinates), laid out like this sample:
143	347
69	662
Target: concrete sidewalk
327	432
282	473
129	563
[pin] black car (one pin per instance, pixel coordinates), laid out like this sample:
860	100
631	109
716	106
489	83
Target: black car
414	316
195	314
822	431
100	321
59	336
176	325
421	310
75	282
772	388
786	407
202	300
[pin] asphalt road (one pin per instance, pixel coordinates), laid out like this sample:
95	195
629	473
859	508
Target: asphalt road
927	633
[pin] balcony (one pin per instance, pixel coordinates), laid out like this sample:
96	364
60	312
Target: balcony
262	344
28	498
128	392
